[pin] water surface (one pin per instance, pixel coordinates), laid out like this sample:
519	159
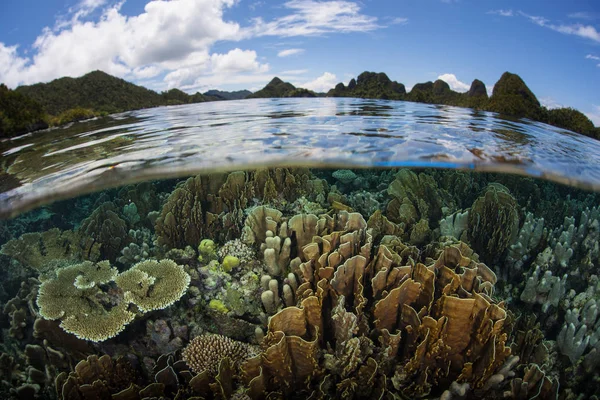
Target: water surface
335	132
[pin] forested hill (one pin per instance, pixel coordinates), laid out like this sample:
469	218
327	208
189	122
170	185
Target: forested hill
99	92
511	97
65	100
279	88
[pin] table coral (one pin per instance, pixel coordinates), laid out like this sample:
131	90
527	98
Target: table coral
153	285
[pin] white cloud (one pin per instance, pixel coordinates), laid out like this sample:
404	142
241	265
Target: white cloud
221	68
454	83
310	18
172	37
550	103
584	31
10	64
237	60
321	84
502	13
489	89
294	72
399	21
147	72
594	115
289	52
255	5
582	15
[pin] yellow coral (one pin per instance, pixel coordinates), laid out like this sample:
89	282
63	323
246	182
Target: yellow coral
207	247
218	305
230	262
153	285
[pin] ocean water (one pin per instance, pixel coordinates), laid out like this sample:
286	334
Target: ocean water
300	248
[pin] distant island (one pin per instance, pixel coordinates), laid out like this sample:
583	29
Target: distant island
29	108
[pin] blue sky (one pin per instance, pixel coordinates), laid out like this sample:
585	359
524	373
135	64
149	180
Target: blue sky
198	45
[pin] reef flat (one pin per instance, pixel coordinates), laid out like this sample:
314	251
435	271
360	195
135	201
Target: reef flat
297	283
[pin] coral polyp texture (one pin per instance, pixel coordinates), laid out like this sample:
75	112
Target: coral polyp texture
290	283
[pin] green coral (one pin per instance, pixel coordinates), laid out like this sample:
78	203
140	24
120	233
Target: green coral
493	222
80	295
153	285
38	249
75	298
208	250
218	305
229	263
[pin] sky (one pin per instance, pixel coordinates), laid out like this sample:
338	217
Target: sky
197	45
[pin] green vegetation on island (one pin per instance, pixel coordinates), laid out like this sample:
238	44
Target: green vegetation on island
29	108
279	88
96	91
216	95
175	97
64	100
511	97
19	113
370	85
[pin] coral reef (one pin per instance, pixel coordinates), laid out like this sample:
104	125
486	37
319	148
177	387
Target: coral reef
273	284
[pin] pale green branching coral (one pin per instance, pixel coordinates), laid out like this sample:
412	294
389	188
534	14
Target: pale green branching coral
154	285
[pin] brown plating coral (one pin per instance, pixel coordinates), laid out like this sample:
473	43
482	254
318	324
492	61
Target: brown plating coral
371	321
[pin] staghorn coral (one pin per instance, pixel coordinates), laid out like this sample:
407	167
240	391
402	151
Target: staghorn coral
205	353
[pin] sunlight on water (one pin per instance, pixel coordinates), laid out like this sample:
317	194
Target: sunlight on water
182	140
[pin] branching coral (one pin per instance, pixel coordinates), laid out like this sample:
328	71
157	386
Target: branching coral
205	352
